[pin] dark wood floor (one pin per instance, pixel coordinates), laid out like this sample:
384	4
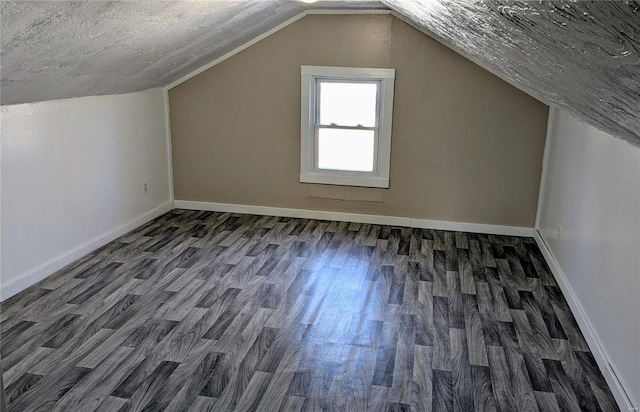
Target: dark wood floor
208	311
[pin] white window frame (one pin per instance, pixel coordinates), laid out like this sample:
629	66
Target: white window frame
309	172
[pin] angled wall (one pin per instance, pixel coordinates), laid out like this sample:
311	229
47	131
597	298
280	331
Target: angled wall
590	222
466	146
72	178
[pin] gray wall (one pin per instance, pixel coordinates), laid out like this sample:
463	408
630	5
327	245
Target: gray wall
466	146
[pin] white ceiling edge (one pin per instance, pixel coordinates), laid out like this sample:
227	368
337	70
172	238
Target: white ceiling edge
269	33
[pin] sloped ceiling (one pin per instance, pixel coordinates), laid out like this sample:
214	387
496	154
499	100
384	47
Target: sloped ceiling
583	56
60	49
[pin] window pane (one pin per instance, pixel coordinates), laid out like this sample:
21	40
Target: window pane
344	149
348	104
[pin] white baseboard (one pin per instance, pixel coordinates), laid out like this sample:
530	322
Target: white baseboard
472	227
585	325
39	273
297	213
355	217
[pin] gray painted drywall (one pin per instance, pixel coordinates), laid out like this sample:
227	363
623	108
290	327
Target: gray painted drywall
581	56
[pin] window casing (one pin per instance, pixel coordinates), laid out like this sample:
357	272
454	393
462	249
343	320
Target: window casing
346	125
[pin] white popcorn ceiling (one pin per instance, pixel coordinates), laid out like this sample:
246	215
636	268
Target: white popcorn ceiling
583	56
60	49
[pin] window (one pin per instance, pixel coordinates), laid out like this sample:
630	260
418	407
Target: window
346	125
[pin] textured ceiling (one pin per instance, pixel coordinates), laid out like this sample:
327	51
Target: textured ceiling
581	56
60	49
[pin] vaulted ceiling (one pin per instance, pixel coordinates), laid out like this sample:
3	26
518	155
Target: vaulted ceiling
583	56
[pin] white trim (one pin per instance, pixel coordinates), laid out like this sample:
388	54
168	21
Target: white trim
472	227
1	386
386	122
349	72
307	90
545	165
41	272
344	180
288	212
355	217
311	77
167	113
267	34
585	325
348	11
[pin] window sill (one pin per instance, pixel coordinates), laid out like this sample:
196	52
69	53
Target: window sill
359	181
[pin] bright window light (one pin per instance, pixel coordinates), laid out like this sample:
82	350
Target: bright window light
345	122
345	149
348	104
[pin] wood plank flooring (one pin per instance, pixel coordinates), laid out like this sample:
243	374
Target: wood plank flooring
203	311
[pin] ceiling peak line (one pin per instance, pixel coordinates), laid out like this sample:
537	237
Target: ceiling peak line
269	33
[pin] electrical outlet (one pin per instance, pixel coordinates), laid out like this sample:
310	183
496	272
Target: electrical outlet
145	188
559	231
